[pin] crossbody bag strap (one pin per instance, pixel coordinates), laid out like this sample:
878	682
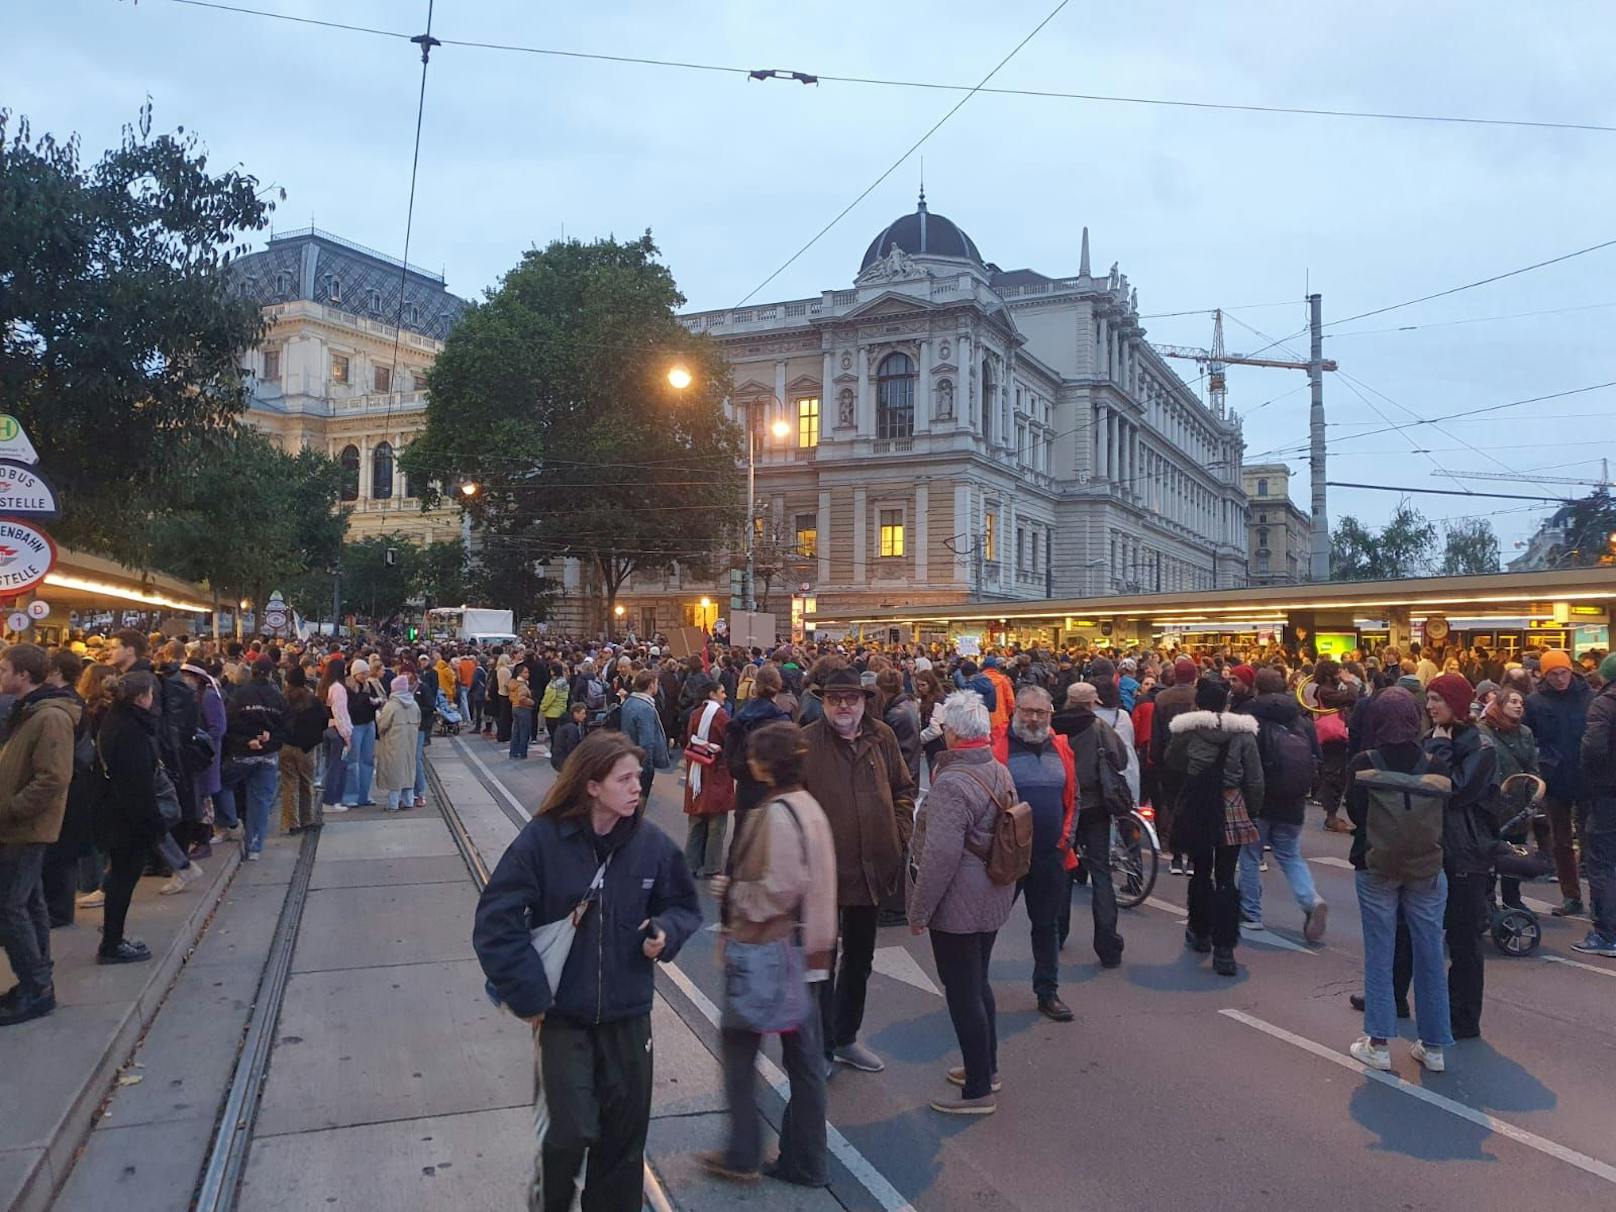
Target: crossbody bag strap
582	907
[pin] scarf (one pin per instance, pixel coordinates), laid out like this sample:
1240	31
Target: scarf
709	710
1496	719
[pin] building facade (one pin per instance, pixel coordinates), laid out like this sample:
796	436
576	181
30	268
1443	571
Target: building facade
1279	533
335	375
956	432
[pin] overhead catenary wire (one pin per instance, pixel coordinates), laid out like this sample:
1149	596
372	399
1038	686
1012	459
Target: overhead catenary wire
939	86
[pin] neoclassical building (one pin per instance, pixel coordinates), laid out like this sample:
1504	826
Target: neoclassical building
1280	529
959	432
325	378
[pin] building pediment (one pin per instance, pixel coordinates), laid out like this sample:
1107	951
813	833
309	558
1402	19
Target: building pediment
753	388
802	383
887	304
946	368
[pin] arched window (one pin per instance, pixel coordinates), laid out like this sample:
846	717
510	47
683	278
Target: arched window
895	397
381	472
989	392
1262	488
1262	537
349	458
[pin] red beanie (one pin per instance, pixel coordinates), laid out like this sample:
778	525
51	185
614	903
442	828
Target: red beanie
1456	692
1245	673
1184	671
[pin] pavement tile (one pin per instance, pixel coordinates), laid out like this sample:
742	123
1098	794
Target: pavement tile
375	1044
20	1169
375	872
149	1167
33	1060
360	927
473	1162
688	1078
672	1146
388	837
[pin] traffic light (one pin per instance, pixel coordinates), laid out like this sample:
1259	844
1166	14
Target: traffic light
390	557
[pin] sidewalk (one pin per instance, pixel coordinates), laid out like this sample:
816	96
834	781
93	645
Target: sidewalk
59	1069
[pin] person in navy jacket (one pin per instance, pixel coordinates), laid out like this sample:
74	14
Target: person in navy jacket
592	1033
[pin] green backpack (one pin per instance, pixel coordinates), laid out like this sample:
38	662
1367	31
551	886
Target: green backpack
1404	821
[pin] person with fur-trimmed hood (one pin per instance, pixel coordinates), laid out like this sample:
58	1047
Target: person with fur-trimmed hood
1215	753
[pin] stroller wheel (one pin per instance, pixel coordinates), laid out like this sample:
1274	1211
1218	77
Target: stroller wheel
1517	932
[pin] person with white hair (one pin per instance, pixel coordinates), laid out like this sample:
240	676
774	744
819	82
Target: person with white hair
951	894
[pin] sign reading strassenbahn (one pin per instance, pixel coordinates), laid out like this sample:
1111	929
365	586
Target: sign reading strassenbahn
27	554
24	493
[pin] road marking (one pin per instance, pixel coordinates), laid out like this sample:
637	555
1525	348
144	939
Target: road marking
1537	906
888	1196
1492	1123
1263	938
897	963
1571	963
1329	860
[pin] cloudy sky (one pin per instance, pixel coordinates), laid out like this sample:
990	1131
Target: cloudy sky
1202	208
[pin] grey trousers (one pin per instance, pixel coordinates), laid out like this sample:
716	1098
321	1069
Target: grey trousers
24	921
802	1130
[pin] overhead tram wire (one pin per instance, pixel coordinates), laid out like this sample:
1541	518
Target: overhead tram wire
914	147
934	85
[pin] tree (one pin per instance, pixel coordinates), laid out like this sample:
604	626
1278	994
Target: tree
373	588
120	343
1402	548
552	397
1471	548
1590	532
248	518
441	573
777	556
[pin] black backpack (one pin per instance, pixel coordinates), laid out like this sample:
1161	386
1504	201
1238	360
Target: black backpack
1287	760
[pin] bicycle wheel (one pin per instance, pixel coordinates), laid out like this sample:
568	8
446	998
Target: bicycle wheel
1133	861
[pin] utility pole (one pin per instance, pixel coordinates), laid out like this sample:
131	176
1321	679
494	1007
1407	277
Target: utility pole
1319	556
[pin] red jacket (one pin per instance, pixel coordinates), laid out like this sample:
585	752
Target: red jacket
1001	752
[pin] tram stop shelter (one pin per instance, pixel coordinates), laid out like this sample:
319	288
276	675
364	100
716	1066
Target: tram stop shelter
82	588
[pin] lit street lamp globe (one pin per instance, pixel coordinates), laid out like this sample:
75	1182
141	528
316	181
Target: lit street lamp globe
679	378
781	430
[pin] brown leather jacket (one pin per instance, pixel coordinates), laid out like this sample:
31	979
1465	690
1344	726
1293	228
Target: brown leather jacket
865	789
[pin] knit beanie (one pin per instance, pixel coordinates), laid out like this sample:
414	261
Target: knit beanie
1245	673
1607	668
1184	671
1211	695
1397	716
1554	658
1456	692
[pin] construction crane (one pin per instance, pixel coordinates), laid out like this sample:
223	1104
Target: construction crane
1602	482
1215	359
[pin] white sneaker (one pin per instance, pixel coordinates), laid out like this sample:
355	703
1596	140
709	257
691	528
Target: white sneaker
90	900
1430	1056
337	807
179	881
1364	1050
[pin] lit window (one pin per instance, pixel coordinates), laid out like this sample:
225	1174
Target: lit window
384	378
891	533
339	369
988	540
272	364
808	423
807	535
895	397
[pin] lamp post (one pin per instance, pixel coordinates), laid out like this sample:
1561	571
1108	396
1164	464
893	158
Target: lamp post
679	378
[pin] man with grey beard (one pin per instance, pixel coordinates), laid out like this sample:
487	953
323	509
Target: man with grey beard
1041	764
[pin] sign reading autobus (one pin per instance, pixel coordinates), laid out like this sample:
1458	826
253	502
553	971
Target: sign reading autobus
27	554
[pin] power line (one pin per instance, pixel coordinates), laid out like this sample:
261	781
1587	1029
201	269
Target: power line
1515	315
939	86
1445	492
918	143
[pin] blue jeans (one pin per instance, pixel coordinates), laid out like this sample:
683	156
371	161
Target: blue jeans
521	731
336	770
361	764
1423	907
263	780
420	765
224	808
1286	839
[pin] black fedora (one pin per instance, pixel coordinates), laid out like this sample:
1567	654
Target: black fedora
844	679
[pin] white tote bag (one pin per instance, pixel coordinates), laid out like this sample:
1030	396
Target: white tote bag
553	940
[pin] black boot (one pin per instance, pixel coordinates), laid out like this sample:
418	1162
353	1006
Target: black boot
1197	942
26	1007
1223	961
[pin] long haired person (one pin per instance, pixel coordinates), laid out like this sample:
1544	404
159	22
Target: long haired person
589	845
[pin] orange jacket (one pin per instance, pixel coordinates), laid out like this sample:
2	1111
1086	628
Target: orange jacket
1004	697
1001	752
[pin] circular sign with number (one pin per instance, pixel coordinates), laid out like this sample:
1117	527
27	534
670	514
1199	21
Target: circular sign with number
39	609
27	554
18	621
274	619
1436	628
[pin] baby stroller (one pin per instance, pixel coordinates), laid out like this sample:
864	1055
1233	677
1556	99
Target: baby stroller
1515	928
448	715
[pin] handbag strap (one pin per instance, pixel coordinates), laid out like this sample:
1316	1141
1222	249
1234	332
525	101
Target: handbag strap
992	795
802	840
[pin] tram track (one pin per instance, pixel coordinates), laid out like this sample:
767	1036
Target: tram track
655	1195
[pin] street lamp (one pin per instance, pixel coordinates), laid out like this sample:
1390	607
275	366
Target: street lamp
679	378
469	488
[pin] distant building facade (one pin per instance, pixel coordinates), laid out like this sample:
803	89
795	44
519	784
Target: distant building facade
333	374
958	432
1279	535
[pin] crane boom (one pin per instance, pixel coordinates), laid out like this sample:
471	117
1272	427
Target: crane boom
1191	354
1509	475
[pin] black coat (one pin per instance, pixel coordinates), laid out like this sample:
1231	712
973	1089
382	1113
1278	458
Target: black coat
125	813
1280	711
1469	830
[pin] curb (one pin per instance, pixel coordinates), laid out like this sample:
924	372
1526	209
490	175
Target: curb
49	1171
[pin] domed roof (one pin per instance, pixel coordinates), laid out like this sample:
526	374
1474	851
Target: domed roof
922	233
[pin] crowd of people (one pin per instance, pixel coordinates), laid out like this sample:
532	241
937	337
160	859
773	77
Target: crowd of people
135	756
820	753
